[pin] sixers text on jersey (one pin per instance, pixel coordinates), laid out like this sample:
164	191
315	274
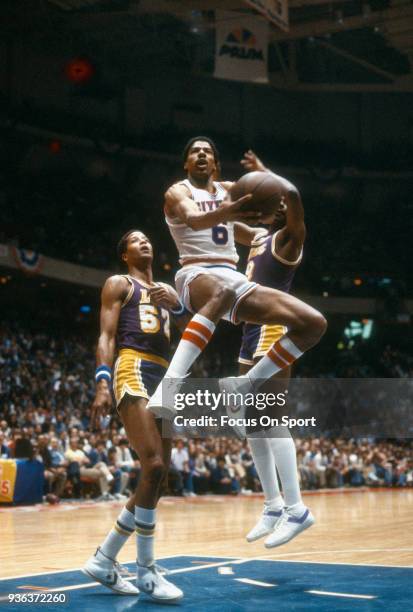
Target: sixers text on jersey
216	243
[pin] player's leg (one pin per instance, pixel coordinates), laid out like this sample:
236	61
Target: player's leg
103	566
274	449
139	377
143	432
256	340
266	468
296	516
275	452
305	328
139	512
210	298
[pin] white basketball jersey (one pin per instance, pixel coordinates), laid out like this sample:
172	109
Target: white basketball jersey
209	244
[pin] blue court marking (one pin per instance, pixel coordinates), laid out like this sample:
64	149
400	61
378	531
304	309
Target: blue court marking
206	589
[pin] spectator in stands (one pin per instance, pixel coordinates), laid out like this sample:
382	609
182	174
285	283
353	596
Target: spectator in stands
221	481
60	424
201	473
127	464
4	448
382	468
251	476
57	454
355	476
124	455
120	479
235	466
80	467
55	476
334	473
180	461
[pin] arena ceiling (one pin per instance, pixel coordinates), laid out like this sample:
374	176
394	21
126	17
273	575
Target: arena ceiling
339	45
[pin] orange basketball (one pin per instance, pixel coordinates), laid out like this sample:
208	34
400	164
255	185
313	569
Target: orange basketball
266	189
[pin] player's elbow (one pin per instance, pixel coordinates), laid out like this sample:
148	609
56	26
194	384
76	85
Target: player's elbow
298	234
293	194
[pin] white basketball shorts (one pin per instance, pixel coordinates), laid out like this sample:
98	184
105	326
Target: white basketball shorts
234	279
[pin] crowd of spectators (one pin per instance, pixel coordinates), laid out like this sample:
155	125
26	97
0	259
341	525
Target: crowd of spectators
46	389
78	463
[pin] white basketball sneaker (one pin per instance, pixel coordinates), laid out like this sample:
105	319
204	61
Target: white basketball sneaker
161	403
265	525
288	527
150	581
107	571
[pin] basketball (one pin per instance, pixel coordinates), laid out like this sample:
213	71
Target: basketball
266	188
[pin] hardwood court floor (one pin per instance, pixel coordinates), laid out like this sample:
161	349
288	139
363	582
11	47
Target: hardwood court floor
362	527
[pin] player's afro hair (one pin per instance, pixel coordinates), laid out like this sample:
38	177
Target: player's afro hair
123	244
204	139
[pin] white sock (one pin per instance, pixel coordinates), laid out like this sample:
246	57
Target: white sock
283	451
281	355
265	466
274	504
119	534
297	509
145	519
196	336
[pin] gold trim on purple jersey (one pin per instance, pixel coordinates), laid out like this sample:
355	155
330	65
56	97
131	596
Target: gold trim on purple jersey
129	373
257	341
286	262
268	335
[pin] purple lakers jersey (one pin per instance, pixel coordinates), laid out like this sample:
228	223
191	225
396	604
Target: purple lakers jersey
143	326
267	268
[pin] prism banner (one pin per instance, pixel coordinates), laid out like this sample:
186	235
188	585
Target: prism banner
241	48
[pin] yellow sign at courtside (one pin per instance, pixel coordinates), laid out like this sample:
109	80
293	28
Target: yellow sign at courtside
8	471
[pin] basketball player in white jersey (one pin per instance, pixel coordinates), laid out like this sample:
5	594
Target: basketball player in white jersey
203	223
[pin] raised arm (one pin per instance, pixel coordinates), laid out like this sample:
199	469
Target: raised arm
294	229
179	204
246	235
289	240
251	162
113	293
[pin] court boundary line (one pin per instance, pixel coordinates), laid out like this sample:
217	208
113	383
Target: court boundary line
269	558
335	563
344	595
255	582
238	561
